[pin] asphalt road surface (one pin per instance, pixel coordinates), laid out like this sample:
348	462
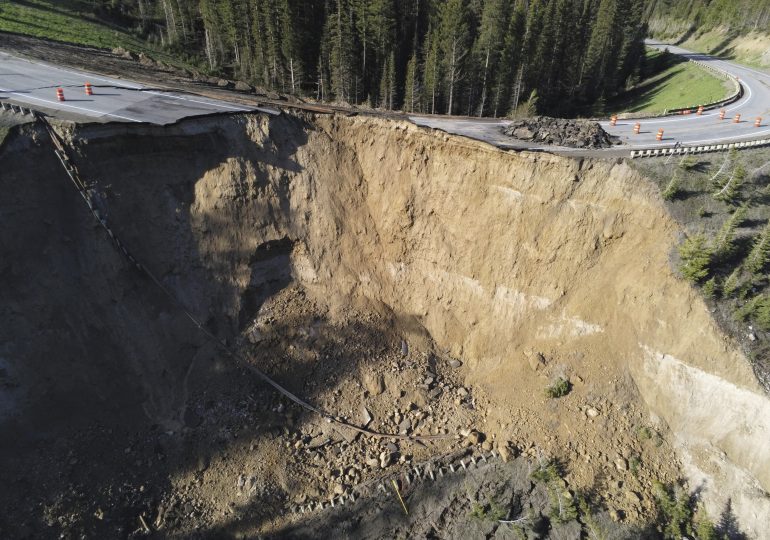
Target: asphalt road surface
33	84
687	130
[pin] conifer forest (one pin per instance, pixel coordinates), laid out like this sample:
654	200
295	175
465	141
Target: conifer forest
464	57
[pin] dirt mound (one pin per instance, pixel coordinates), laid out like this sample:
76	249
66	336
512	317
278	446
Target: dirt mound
559	132
437	283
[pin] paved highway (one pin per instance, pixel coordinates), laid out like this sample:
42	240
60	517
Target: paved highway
33	84
689	129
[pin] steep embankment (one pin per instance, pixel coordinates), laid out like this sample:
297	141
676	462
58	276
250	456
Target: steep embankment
525	266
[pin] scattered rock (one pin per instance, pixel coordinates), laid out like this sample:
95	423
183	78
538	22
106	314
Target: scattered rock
404	348
374	383
366	416
505	453
243	86
559	131
633	497
593	413
536	361
621	464
436	392
455	363
475	437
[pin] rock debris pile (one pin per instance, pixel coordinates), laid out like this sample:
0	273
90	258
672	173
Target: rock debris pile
559	131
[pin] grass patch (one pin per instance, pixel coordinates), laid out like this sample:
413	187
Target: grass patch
73	21
670	83
747	49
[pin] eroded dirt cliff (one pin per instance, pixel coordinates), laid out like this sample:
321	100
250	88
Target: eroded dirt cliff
357	260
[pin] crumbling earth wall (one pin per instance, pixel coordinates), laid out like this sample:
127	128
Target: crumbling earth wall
496	256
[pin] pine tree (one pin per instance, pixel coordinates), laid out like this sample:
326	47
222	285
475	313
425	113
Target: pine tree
453	35
490	44
431	72
411	85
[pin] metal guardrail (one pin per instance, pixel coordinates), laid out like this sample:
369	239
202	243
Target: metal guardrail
18	109
698	149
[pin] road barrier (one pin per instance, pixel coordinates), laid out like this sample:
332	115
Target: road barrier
18	109
89	91
614	120
659	136
637	128
722	114
60	94
737	119
758	122
698	149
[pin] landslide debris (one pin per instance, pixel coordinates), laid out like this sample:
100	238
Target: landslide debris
559	132
397	277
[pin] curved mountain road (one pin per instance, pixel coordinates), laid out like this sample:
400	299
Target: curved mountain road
33	83
677	129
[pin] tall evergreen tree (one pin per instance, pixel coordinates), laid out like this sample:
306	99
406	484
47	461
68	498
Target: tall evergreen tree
453	36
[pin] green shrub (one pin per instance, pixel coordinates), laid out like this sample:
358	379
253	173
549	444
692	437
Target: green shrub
711	288
676	511
491	511
561	387
731	283
724	242
633	464
757	259
562	503
672	189
757	310
688	163
730	190
695	258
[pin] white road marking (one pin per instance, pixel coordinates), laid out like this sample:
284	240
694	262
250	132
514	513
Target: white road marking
195	100
63	104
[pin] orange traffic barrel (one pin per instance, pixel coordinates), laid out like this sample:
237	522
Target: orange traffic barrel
700	110
660	135
722	114
737	119
758	122
89	91
637	128
614	120
60	94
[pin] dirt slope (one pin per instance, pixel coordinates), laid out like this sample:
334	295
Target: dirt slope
317	245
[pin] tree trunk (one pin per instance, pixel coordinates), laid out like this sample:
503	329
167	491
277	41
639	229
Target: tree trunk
484	86
452	67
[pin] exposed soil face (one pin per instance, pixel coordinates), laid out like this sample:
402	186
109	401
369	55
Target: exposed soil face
439	284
